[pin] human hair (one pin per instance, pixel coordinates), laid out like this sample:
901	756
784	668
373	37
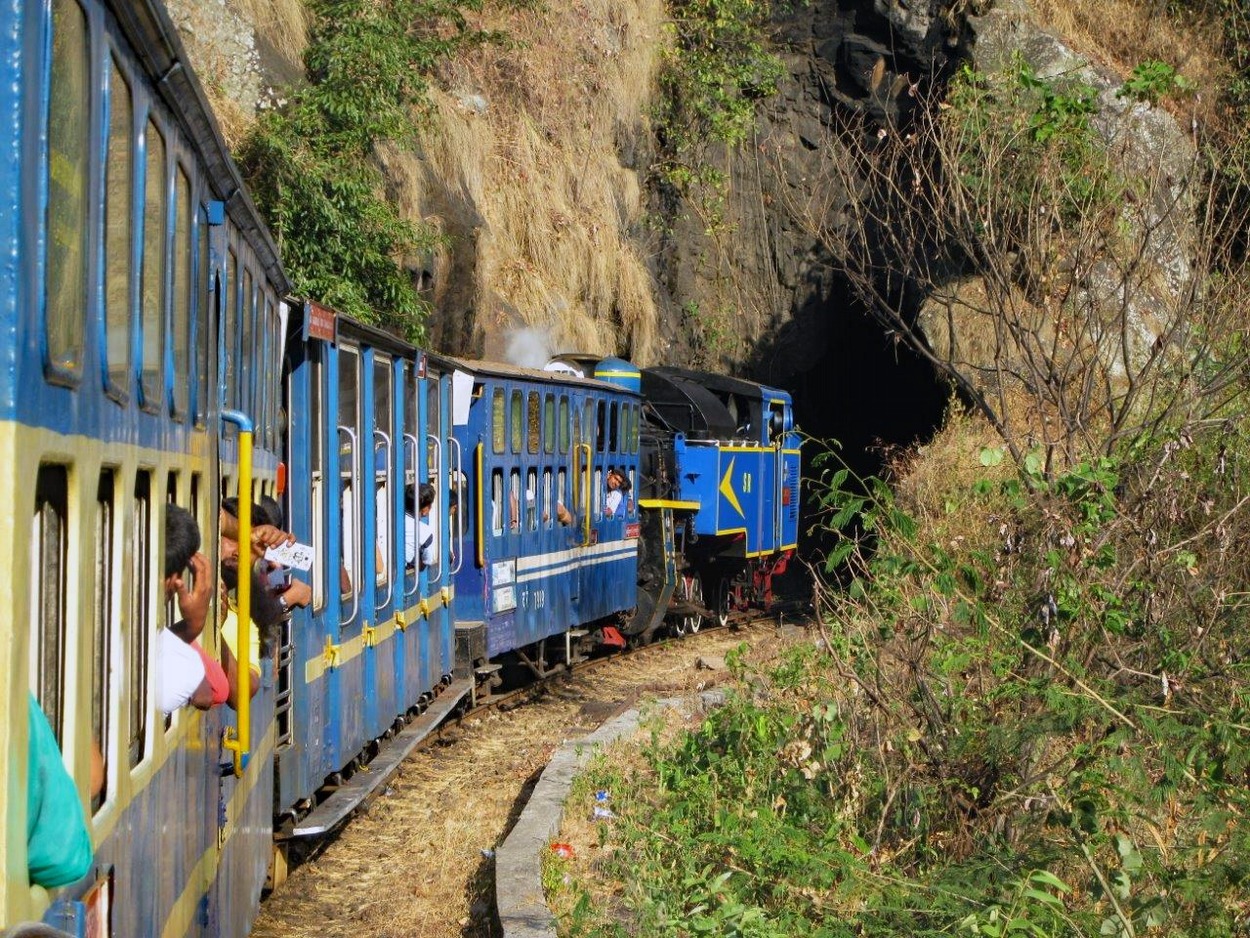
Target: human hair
182	539
260	513
453	499
621	478
426	498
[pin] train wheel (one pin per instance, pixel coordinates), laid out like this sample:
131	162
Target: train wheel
692	592
724	600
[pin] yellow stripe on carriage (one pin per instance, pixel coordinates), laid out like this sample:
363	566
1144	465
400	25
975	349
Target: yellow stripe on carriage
201	877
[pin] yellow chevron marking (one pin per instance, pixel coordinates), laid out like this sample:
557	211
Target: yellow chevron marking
727	489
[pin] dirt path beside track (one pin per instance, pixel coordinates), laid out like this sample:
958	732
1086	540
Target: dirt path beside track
418	863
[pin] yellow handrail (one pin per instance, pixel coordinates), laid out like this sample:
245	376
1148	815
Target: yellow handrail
238	744
481	514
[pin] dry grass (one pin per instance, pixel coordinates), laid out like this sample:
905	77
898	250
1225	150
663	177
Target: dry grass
524	156
284	23
413	866
1121	34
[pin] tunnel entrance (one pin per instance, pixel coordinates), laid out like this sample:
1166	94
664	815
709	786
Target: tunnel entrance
854	384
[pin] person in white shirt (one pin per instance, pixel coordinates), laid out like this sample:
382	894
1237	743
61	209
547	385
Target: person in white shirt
419	531
181	678
618	485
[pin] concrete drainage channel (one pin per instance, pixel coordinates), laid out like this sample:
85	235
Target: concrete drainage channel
519	898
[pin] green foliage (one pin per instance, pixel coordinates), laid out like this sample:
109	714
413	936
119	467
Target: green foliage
1035	726
716	72
1153	80
310	161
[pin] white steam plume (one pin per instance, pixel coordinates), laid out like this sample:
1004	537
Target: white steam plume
528	347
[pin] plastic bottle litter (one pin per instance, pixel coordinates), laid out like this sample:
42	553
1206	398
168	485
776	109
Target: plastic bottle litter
602	796
602	814
563	851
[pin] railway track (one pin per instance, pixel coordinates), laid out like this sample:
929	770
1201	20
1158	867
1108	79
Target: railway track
417	859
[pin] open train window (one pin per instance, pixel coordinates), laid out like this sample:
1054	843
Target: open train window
598	494
533	422
230	330
548	510
67	227
564	423
118	233
434	469
155	202
349	462
208	286
599	426
499	421
588	423
183	260
562	489
496	502
518	437
247	324
139	620
614	427
382	459
316	471
49	545
531	500
514	500
549	424
102	626
635	429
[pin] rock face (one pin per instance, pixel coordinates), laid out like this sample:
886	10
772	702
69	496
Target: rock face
755	296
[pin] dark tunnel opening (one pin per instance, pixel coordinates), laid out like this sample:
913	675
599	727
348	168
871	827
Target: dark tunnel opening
869	392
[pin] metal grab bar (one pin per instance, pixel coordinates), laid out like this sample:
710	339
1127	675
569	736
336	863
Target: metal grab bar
588	482
410	441
459	509
481	511
354	485
239	744
390	492
439	521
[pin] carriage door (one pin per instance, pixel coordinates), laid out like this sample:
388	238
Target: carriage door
779	489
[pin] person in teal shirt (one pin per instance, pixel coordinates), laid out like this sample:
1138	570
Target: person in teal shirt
58	846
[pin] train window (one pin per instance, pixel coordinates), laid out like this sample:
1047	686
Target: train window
433	418
183	259
68	142
561	489
588	422
598	493
564	423
258	387
514	499
629	497
578	468
533	422
118	233
496	501
154	221
614	427
549	424
600	426
102	630
230	339
247	322
499	421
382	459
317	479
349	461
203	298
272	379
49	545
517	433
634	427
531	500
139	620
548	514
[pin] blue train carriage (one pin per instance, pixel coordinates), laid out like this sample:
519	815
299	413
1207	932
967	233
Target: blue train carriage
545	571
721	476
127	245
370	419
